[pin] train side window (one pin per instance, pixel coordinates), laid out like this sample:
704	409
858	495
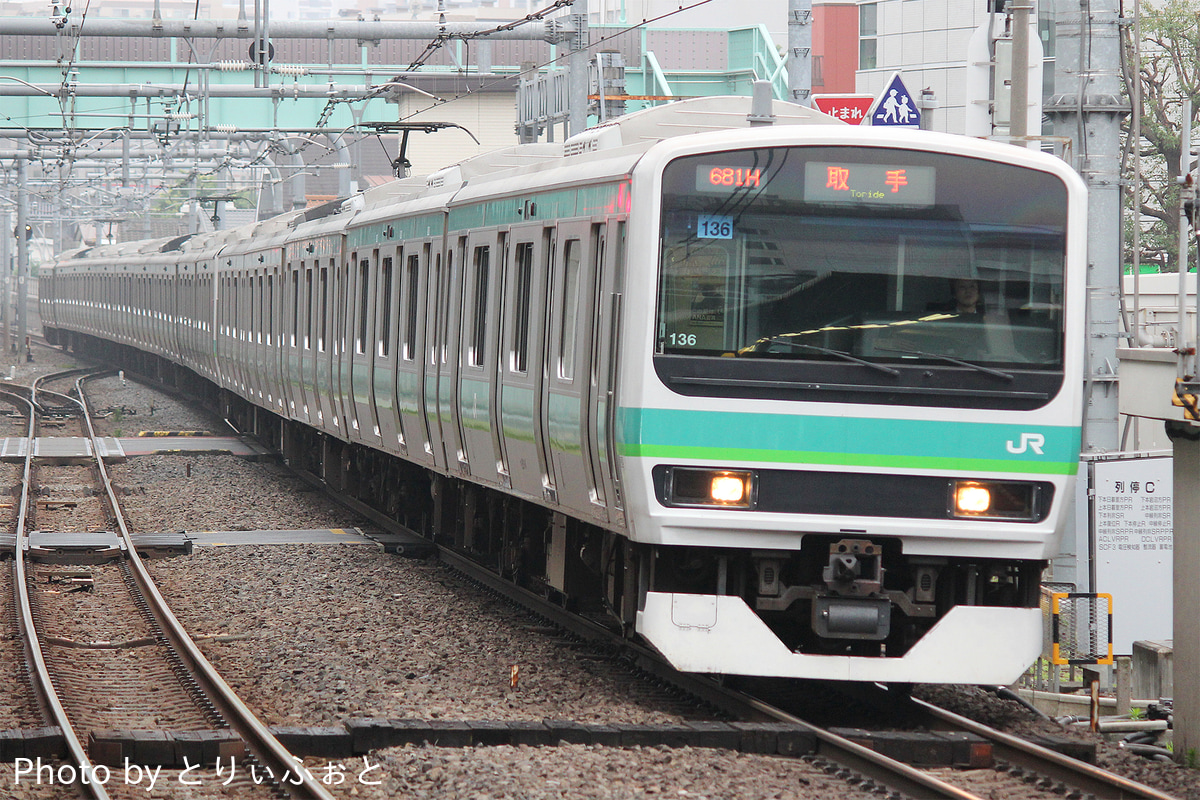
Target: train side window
522	290
384	328
478	341
569	308
412	277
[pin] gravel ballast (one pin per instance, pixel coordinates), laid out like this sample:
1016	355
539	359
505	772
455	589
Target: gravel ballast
361	633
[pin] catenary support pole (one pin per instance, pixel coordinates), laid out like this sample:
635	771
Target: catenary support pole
22	250
799	65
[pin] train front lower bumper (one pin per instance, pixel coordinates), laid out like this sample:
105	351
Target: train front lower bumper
721	634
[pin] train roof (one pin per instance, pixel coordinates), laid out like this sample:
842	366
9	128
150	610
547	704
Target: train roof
686	117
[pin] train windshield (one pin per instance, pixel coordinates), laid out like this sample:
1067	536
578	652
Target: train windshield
831	254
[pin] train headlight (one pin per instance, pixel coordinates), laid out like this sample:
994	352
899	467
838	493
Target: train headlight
995	500
971	499
729	489
710	487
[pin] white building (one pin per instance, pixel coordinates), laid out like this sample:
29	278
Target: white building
927	42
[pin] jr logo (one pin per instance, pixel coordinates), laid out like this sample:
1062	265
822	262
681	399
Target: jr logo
1029	441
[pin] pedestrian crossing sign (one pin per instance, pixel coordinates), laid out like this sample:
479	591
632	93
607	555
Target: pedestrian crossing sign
895	106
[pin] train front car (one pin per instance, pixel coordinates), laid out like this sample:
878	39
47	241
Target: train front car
851	421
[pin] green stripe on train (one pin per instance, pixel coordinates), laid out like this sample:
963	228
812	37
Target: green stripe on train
724	436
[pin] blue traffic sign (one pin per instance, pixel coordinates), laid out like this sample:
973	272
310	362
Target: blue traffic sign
895	106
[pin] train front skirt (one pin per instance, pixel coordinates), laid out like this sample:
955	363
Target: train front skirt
721	634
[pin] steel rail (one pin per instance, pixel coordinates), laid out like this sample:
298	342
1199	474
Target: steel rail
895	774
39	672
261	743
1027	755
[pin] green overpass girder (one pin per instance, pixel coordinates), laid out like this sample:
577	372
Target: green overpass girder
751	55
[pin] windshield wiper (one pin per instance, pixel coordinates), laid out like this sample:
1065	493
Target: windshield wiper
951	360
842	354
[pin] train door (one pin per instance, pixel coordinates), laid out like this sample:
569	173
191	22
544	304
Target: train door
254	345
362	426
448	357
307	341
478	354
435	292
522	368
323	399
290	338
383	374
413	353
343	399
569	387
275	287
606	345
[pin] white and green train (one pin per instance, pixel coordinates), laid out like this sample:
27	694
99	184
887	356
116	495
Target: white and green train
792	399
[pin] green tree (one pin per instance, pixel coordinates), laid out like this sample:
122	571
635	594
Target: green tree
1169	74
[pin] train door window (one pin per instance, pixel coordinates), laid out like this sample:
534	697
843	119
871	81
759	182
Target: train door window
364	299
252	298
600	252
384	327
569	309
308	308
340	322
435	299
522	291
412	279
262	306
478	340
323	305
270	309
447	285
296	304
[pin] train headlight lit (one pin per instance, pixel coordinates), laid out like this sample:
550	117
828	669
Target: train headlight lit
995	500
710	487
730	489
971	499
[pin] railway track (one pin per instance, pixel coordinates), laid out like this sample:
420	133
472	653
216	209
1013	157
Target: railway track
107	657
1022	768
1034	773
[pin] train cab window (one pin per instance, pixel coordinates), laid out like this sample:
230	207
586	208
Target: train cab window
479	288
569	309
522	298
384	327
412	280
835	266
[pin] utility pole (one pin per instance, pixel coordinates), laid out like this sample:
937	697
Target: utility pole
22	249
577	66
800	51
6	264
1018	125
1087	108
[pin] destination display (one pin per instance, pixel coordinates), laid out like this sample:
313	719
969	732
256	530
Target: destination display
857	184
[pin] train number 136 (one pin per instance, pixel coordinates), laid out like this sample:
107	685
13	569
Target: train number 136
714	226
